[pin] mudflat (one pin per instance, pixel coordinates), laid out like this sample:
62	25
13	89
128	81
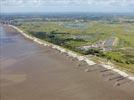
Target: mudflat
30	71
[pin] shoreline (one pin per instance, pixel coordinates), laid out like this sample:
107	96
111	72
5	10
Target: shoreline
73	54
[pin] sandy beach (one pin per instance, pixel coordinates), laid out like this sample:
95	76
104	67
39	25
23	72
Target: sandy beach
30	71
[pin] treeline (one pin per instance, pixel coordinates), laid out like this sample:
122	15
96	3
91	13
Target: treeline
53	38
111	56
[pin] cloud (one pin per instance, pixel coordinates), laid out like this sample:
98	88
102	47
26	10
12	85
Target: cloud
67	5
66	2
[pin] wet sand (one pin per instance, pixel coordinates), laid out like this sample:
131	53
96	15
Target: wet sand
29	71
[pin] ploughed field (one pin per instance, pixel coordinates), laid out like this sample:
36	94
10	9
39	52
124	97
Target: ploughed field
113	41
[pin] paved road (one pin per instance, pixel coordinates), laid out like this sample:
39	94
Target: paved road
32	72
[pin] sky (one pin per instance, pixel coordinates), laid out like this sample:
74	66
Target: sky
11	6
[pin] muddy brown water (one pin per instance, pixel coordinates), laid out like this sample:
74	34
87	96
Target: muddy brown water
29	71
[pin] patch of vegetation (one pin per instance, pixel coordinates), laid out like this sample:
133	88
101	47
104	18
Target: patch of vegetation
73	38
119	57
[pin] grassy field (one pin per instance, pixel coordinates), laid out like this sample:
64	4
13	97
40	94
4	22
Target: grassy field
73	35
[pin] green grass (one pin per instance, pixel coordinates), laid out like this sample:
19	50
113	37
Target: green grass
122	55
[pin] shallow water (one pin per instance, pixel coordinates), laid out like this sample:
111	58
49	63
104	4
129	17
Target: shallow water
32	72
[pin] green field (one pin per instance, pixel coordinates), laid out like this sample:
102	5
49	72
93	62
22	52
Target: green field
73	35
